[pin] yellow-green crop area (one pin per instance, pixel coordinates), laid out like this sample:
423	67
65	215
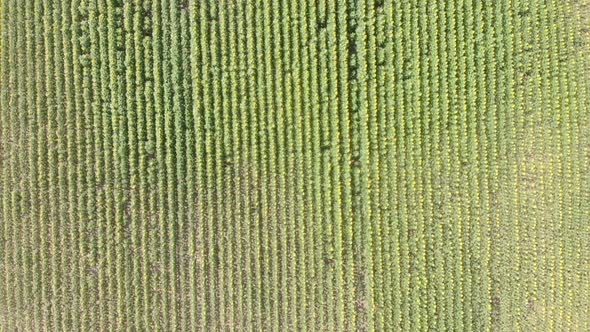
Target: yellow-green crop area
295	165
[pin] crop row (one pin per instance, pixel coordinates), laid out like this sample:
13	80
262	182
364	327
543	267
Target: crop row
292	165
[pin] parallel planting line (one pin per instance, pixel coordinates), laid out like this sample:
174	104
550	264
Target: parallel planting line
359	165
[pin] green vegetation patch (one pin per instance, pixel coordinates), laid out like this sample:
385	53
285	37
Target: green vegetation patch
358	165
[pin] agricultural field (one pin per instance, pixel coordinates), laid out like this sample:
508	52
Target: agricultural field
283	165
